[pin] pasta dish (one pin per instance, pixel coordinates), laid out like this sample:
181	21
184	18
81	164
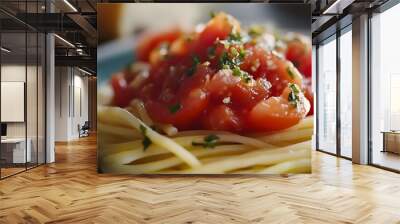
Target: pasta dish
218	99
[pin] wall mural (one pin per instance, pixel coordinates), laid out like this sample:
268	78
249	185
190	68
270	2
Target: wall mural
204	88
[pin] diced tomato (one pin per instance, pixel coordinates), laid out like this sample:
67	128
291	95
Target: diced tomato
198	82
280	73
245	96
269	65
199	79
222	117
189	109
123	93
300	53
150	42
221	84
218	27
277	113
256	60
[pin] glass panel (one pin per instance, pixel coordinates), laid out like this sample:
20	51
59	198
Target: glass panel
41	98
31	98
385	84
327	96
32	88
346	94
13	87
313	82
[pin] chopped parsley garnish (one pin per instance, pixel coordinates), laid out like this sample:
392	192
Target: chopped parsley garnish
233	56
242	53
294	97
256	31
210	141
235	37
211	52
234	52
290	72
175	108
189	38
193	68
236	71
146	142
212	14
143	129
225	60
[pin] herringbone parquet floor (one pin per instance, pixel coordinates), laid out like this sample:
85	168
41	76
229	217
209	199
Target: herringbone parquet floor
70	191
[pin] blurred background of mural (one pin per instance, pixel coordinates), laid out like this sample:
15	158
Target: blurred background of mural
122	20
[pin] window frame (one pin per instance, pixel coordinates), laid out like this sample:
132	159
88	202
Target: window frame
334	37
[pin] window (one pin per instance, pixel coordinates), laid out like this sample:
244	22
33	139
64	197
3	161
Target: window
346	93
327	96
385	88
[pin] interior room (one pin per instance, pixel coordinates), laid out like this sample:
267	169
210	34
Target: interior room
50	71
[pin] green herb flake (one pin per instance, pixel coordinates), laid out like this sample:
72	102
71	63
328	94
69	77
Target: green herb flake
210	141
225	67
143	129
247	78
212	14
242	53
175	108
236	72
290	72
193	68
224	60
256	31
234	52
211	52
235	36
294	98
244	76
146	142
189	38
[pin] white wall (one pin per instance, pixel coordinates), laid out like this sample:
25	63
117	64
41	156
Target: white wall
33	126
15	73
71	94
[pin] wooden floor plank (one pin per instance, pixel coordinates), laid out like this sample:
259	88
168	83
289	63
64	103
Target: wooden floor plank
71	191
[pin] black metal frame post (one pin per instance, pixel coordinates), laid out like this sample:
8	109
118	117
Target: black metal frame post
338	100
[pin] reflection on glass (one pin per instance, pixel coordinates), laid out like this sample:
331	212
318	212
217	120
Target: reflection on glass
41	99
14	147
31	97
346	94
327	96
385	86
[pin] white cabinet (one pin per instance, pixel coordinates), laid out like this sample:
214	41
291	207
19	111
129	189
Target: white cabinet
16	149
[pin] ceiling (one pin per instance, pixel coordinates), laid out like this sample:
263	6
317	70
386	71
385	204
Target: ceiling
72	20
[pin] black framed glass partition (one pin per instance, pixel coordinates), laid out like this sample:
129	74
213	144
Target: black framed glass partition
326	99
385	88
22	78
345	93
14	153
334	94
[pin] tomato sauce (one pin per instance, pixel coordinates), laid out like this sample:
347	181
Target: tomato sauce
218	79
